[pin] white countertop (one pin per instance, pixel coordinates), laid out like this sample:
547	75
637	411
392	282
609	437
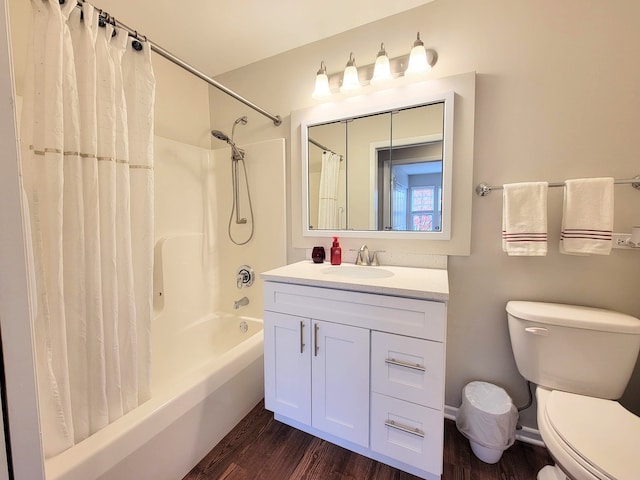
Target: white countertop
423	283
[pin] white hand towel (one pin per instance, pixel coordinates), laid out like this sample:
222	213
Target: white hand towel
587	217
524	219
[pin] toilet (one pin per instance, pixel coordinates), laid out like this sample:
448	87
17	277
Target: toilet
581	360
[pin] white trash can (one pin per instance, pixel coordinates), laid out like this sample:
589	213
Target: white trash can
488	418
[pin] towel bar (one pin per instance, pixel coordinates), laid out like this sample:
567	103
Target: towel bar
483	189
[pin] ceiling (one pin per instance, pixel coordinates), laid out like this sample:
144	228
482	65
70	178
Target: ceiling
216	36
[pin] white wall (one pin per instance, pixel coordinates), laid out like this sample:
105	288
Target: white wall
556	97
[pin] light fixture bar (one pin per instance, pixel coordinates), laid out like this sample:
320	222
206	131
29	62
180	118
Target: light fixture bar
398	65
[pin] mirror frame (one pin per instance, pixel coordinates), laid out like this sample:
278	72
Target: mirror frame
458	92
347	110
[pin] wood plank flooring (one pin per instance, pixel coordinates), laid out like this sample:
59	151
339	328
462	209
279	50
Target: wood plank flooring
260	447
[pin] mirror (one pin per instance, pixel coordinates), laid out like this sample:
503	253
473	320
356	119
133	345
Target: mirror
377	172
380	172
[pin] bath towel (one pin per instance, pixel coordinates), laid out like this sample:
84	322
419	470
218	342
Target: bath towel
524	219
587	217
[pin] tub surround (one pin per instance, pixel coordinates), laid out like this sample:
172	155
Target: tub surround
388	325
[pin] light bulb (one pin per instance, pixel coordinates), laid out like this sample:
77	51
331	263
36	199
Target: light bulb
418	62
350	80
382	69
321	89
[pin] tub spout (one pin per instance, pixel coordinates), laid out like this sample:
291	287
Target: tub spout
240	303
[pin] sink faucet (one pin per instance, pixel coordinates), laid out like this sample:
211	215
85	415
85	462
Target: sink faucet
363	257
240	303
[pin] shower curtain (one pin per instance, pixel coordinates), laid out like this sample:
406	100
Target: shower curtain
87	133
328	196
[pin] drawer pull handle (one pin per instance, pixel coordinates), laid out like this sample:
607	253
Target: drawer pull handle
415	366
301	337
315	340
404	428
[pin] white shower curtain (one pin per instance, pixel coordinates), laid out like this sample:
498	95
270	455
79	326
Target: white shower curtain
87	150
328	195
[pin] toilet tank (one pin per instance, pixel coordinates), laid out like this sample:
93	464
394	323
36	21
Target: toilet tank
576	349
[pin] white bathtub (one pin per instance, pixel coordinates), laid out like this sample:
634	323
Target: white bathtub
205	378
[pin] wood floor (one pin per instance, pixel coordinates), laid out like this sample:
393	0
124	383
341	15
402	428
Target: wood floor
260	447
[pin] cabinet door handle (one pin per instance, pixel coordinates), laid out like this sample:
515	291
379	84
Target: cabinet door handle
301	337
315	339
415	366
404	428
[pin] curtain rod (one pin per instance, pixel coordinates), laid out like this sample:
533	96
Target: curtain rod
277	120
483	189
321	146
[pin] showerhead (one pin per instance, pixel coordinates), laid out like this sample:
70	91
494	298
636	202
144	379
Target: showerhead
237	153
221	136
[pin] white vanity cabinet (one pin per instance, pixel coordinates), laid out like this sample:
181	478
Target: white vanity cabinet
361	369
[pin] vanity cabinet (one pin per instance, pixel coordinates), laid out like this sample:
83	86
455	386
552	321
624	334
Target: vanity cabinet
362	370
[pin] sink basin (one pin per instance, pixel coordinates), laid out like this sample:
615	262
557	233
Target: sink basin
356	271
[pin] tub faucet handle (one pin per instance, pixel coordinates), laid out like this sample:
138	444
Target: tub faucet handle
244	276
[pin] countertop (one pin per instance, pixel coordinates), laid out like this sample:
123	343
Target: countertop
422	283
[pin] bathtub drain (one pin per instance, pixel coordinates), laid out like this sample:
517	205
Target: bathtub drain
244	327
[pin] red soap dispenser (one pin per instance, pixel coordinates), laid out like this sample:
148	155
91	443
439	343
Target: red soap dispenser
336	252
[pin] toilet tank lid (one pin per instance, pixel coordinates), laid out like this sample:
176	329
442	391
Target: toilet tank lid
574	316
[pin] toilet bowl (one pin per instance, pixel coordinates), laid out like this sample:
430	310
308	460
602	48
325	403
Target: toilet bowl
581	359
589	438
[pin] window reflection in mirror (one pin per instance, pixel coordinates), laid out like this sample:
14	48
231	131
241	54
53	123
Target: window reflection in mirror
410	178
378	172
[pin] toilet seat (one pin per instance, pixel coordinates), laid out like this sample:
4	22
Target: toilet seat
599	435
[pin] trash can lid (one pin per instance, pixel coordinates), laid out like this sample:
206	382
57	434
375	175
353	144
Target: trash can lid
488	397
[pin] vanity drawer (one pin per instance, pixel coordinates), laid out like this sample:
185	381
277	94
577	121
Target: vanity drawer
407	432
408	368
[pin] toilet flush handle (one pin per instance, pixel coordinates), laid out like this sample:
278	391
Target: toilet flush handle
543	332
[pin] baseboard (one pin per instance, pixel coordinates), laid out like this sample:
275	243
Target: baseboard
523	434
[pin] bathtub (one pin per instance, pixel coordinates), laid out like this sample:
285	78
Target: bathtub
205	378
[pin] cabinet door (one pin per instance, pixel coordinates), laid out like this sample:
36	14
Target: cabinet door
287	366
340	372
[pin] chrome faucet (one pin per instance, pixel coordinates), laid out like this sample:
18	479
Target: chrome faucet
363	257
240	303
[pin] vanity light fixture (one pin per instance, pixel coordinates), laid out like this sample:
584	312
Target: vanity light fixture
350	80
382	68
321	89
420	60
